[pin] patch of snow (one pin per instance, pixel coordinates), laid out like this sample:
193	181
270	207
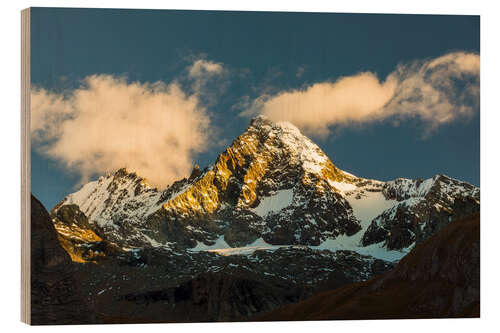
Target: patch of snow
369	206
153	242
375	250
222	248
274	203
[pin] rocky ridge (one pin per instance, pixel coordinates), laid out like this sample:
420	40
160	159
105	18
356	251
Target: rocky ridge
272	186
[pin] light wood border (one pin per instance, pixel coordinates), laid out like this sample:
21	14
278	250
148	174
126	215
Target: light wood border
25	168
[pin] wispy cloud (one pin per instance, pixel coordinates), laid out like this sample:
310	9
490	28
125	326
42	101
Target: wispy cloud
208	80
201	68
108	123
437	91
300	71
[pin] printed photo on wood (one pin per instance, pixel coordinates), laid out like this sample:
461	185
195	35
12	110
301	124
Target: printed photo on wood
214	166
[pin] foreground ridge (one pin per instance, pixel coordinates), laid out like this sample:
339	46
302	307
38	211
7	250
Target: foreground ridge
439	278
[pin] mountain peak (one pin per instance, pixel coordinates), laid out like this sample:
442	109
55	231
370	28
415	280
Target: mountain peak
122	172
285	142
263	123
269	157
260	119
127	175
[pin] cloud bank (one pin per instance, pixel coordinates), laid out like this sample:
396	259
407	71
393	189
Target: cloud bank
109	123
437	91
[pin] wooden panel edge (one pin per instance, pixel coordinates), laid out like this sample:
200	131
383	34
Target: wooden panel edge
25	168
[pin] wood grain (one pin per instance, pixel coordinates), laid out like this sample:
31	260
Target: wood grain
25	168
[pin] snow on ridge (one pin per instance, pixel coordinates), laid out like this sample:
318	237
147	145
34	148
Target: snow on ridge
405	187
349	174
410	187
91	196
82	195
310	155
342	186
96	200
301	148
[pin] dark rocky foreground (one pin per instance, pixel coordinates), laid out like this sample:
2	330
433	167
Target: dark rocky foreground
439	278
151	285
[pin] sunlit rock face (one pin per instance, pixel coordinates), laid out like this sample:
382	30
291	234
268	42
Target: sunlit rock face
273	185
272	182
78	237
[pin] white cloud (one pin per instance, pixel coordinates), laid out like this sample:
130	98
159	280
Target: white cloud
109	123
437	91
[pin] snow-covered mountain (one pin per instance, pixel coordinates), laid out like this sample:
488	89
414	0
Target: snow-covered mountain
273	186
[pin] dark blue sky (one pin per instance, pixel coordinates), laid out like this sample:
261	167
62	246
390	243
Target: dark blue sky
70	44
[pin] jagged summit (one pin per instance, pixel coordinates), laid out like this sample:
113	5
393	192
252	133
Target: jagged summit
263	122
259	120
297	147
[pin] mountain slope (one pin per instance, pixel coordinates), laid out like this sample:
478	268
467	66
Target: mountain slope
438	279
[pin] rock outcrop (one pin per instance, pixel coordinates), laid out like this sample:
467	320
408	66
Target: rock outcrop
56	296
422	208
